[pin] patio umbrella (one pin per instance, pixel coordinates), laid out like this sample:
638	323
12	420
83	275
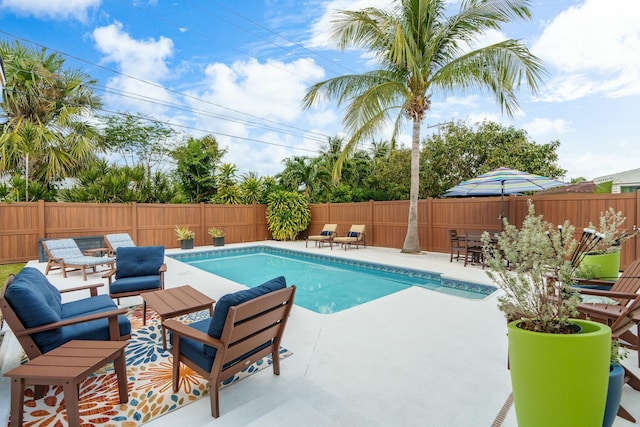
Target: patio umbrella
502	181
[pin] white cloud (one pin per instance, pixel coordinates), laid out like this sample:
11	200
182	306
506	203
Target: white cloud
142	64
594	48
52	9
270	94
541	128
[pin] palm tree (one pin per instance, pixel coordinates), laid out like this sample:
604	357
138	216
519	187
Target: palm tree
422	52
44	132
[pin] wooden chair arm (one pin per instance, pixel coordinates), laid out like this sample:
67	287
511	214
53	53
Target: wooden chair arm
73	321
593	282
181	329
163	268
600	311
610	294
93	289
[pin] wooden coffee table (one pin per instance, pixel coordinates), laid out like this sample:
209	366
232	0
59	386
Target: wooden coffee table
176	302
67	365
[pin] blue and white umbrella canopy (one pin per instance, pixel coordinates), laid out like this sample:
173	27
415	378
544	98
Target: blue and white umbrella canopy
502	181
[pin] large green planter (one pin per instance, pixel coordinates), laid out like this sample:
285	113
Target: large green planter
608	265
560	380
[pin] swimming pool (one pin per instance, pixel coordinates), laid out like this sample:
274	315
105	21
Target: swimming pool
325	284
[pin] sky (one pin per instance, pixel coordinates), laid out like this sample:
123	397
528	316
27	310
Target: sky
239	71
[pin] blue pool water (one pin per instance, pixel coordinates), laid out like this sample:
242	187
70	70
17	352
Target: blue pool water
325	284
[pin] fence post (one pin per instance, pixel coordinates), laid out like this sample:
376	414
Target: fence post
134	223
370	225
42	233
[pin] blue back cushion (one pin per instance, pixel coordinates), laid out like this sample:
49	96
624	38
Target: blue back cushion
353	234
139	261
222	306
35	300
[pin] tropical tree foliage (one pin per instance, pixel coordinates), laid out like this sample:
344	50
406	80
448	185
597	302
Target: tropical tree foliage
287	214
460	152
197	163
139	140
109	183
422	52
45	133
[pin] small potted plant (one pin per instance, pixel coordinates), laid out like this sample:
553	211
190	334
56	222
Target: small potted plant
218	236
616	381
557	362
185	235
603	261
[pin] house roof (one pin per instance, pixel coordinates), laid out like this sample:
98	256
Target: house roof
580	187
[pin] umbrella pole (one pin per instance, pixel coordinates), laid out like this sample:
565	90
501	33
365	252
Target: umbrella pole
502	205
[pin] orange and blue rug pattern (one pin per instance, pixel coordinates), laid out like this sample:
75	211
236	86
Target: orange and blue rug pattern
149	375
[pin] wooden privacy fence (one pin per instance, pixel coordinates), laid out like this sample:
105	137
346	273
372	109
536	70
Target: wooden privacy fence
23	224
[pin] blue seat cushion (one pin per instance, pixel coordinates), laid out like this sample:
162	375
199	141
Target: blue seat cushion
35	301
222	306
132	284
93	330
139	261
198	353
88	305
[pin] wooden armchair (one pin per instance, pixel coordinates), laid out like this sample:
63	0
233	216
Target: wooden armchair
138	269
33	309
245	327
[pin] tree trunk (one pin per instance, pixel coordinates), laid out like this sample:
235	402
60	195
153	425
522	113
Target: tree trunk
411	242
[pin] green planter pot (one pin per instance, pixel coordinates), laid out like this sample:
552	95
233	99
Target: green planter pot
560	380
608	265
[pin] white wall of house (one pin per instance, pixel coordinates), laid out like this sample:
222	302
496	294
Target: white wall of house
622	182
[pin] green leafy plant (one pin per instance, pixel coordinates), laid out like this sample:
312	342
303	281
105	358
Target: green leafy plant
618	353
287	214
184	233
531	265
609	229
215	232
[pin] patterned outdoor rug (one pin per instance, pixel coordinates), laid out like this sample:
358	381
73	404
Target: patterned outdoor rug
149	379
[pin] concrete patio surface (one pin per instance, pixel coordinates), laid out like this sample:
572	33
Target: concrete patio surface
413	358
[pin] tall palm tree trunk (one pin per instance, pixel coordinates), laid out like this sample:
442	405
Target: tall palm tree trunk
411	241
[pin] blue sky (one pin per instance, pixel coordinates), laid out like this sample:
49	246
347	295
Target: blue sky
239	70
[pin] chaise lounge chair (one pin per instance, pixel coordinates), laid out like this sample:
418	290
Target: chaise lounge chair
326	235
64	254
245	327
355	236
115	241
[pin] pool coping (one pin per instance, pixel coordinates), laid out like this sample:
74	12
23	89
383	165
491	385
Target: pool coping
446	282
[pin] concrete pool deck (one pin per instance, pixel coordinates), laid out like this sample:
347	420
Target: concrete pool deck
413	358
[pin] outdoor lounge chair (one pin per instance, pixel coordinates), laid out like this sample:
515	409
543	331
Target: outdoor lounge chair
114	241
34	311
245	327
138	269
326	235
64	254
355	236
